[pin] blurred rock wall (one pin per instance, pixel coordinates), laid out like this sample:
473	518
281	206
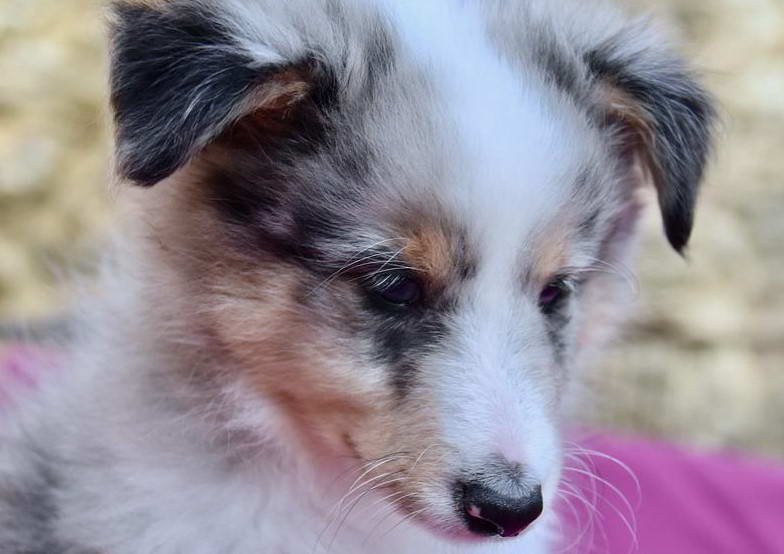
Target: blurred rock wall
53	146
703	361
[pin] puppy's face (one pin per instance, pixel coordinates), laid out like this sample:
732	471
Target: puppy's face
402	229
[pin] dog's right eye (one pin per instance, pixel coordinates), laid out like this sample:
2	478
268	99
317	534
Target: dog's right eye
397	291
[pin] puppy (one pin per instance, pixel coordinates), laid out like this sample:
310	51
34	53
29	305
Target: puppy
365	247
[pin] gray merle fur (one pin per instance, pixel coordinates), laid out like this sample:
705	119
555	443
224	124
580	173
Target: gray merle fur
682	115
187	62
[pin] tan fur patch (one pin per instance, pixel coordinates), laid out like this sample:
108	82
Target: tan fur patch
272	110
283	90
550	252
291	356
639	137
334	399
432	251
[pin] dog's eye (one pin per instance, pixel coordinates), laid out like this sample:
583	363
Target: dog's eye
553	294
398	291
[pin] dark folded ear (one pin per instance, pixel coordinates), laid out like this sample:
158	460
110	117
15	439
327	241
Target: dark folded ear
660	116
179	78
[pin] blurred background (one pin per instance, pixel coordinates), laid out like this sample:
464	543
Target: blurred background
702	361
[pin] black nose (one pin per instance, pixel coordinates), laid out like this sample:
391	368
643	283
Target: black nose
490	513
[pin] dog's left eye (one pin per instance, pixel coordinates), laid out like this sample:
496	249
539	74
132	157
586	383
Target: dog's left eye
398	291
553	294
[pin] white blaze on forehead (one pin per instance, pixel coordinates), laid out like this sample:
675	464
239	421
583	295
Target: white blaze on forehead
517	141
517	155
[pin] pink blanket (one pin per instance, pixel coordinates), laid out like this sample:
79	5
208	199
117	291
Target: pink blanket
20	369
655	498
620	495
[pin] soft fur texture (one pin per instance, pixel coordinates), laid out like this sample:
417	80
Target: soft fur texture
242	382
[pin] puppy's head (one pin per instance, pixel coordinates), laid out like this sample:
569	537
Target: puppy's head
401	228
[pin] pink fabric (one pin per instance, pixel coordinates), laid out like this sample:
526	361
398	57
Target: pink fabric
20	369
661	499
620	496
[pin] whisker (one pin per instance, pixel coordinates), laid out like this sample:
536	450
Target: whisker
366	468
357	500
592	515
631	526
629	471
391	509
419	458
623	271
352	263
409	517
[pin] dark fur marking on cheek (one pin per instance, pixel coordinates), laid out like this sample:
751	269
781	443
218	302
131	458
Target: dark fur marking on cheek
557	323
402	339
555	330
